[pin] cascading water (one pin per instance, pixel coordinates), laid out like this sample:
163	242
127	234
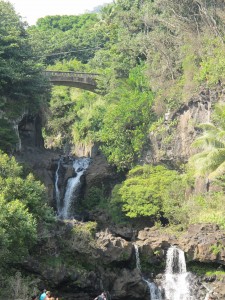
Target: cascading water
176	283
57	191
153	289
138	263
80	165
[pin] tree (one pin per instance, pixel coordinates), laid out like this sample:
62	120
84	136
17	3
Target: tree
23	88
23	205
18	231
210	161
127	120
71	37
30	192
143	191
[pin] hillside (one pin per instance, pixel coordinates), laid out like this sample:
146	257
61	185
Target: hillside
153	130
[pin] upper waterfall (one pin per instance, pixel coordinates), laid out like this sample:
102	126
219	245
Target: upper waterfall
73	185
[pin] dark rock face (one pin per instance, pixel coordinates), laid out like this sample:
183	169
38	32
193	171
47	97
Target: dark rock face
30	132
100	174
202	242
172	142
129	285
77	264
110	263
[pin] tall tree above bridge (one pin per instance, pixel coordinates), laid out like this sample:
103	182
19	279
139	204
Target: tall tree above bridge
21	82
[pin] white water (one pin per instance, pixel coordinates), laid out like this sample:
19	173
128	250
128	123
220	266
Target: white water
80	166
57	192
153	289
176	283
138	263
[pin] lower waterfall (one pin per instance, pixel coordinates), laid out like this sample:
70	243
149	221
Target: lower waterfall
176	284
154	291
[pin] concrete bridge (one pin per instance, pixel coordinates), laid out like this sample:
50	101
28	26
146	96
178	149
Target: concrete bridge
85	81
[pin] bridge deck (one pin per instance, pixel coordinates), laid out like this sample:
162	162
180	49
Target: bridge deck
86	81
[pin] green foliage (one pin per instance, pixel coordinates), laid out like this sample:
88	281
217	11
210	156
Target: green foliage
8	137
212	66
22	205
57	37
22	85
95	197
143	191
65	23
9	167
76	117
217	248
126	122
18	230
115	206
83	237
88	228
18	286
210	160
209	269
209	208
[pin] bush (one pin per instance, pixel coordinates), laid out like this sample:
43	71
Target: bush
142	193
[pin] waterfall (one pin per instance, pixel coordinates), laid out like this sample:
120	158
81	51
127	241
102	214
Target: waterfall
153	289
57	191
176	283
138	263
80	166
18	144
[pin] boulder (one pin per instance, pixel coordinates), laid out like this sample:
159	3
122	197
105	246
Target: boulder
113	249
129	285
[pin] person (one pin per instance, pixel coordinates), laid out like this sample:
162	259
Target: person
108	296
34	297
48	295
43	295
101	297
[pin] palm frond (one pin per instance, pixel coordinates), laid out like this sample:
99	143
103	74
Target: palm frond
207	127
218	172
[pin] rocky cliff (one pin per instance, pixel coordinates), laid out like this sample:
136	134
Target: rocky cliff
79	262
79	265
171	140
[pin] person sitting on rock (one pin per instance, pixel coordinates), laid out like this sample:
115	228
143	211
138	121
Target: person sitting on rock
48	295
107	295
43	295
101	297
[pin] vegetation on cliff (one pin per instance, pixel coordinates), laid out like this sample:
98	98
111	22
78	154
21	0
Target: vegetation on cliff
23	89
23	205
152	57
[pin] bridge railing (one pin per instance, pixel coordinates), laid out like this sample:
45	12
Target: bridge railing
70	74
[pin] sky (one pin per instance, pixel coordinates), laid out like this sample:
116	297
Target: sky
31	10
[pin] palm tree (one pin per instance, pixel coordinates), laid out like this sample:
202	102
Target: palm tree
210	161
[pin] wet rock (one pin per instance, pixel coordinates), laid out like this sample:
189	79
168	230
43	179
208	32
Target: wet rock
129	285
113	249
